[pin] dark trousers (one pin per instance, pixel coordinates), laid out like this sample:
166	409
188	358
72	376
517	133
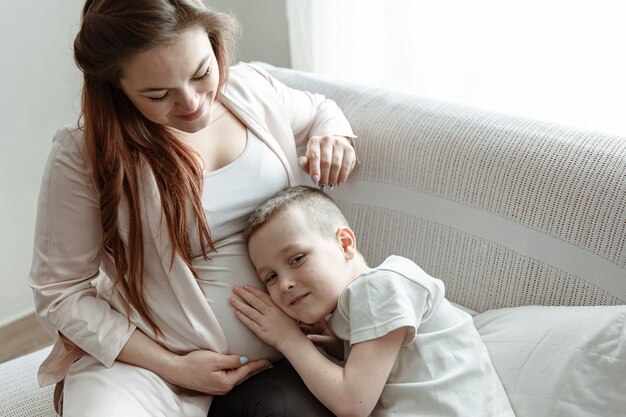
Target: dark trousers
277	392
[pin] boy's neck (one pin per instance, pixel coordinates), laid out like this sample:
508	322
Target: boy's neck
358	267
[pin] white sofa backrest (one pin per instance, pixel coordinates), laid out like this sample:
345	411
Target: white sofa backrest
506	211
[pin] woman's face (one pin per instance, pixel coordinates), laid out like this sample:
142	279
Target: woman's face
174	84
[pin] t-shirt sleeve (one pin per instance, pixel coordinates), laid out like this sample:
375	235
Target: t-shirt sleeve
379	302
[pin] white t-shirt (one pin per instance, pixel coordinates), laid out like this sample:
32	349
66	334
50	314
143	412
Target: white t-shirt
443	367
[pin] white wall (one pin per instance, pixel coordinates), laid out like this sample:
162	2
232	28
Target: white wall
39	92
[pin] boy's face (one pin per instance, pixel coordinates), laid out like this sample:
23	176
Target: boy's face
304	271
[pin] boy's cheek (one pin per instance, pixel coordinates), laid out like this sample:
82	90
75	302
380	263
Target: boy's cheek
279	303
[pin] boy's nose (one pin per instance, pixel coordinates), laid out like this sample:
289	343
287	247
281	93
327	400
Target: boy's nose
287	284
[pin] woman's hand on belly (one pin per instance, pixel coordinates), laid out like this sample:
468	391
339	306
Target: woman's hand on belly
201	370
212	373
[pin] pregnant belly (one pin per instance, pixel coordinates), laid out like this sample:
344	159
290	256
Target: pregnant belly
227	268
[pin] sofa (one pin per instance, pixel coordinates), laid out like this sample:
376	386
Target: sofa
523	220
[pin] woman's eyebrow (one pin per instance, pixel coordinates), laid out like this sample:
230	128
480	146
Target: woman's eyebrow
152	89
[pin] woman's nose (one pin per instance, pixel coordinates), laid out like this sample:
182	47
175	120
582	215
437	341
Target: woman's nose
189	100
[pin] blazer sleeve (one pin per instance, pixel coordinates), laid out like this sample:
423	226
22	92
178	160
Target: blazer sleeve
309	114
67	254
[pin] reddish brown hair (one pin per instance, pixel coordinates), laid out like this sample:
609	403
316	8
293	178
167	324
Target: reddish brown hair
121	143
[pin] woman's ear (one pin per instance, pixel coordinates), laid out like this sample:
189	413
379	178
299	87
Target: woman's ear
347	240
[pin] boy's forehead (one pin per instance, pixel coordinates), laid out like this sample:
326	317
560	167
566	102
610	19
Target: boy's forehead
295	219
288	223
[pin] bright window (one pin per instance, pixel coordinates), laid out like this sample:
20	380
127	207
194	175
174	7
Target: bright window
555	60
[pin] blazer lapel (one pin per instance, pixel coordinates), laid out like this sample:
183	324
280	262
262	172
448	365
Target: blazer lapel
261	131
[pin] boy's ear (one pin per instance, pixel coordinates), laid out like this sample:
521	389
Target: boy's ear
347	240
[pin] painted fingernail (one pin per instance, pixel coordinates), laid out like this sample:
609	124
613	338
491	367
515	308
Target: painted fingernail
315	179
243	360
331	186
322	186
301	162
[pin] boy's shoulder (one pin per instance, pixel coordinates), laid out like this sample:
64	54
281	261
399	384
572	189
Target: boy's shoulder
400	271
397	293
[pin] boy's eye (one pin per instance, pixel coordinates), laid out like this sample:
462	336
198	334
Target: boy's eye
270	279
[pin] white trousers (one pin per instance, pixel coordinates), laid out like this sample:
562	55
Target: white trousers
92	390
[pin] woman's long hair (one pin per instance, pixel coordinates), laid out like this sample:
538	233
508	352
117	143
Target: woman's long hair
119	138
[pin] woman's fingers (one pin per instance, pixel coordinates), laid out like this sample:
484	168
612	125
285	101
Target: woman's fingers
250	369
347	164
328	159
212	372
313	152
327	150
234	376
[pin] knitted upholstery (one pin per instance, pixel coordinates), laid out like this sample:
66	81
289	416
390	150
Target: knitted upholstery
20	396
506	211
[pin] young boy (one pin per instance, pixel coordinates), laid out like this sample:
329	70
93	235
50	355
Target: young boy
409	352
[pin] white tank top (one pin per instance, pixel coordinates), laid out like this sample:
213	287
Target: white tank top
229	196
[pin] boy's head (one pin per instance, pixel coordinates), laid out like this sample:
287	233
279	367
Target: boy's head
304	251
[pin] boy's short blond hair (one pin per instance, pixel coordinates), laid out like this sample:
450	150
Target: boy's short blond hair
320	210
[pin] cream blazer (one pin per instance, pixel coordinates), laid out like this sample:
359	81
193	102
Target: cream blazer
67	250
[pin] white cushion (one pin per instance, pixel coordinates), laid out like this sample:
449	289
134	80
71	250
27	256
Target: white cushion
559	361
20	394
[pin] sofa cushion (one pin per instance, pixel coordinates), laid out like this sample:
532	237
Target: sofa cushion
20	394
559	361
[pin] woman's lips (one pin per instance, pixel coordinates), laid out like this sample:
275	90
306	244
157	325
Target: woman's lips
196	114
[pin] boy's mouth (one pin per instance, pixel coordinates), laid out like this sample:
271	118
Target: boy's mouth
297	299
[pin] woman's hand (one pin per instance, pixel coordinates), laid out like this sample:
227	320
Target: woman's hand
329	160
214	373
259	313
200	370
321	335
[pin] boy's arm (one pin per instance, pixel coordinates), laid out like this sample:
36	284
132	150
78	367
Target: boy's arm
350	391
323	337
355	389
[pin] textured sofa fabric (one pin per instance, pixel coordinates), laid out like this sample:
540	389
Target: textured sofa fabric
20	396
507	211
524	221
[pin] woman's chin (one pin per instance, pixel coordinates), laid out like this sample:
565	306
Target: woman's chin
189	127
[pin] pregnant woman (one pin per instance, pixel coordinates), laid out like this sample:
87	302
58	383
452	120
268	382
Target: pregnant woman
141	211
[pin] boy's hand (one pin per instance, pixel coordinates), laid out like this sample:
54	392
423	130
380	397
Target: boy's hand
263	317
321	335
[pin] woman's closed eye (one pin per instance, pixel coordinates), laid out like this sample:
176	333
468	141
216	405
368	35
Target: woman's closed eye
296	260
159	99
200	78
205	75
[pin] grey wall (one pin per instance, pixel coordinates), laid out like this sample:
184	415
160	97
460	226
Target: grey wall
264	29
40	89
